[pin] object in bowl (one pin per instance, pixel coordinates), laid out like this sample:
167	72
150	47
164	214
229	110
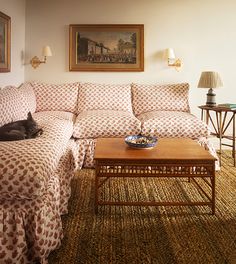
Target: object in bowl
141	142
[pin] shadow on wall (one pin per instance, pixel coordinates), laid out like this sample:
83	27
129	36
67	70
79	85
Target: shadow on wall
159	58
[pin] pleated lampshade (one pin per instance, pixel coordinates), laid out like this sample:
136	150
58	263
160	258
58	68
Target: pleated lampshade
210	79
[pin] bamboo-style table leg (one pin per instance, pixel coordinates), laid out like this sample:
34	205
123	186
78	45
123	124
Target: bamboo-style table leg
233	152
220	134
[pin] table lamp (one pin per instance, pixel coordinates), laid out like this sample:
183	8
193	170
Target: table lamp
210	80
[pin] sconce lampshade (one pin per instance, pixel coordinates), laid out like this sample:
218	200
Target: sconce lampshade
210	80
47	51
172	61
170	53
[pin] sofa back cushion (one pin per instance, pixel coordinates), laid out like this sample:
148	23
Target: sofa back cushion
28	92
153	97
104	97
56	97
13	105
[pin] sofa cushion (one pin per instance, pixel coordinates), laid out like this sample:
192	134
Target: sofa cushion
28	92
173	124
57	114
105	123
104	97
26	166
13	105
147	97
56	97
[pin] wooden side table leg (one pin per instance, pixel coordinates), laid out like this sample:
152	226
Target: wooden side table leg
234	139
207	117
219	117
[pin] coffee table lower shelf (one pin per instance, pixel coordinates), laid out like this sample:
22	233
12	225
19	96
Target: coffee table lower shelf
106	170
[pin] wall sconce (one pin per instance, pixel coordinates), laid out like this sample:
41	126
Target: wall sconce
46	52
172	61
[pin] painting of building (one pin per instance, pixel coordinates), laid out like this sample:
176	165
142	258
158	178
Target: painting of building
106	47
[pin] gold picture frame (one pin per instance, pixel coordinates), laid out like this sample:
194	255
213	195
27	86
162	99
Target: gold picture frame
5	43
101	47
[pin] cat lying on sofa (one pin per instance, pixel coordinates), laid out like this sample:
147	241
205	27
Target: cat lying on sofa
19	130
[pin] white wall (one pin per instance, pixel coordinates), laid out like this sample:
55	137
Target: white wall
201	32
16	10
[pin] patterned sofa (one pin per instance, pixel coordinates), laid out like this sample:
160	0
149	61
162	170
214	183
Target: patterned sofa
159	110
35	174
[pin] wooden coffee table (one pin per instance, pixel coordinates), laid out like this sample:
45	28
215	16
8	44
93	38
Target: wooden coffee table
172	157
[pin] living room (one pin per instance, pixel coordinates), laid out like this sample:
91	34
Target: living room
202	35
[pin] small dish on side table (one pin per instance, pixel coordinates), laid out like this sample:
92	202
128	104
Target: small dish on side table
141	142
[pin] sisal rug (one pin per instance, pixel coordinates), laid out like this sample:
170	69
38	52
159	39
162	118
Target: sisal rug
149	235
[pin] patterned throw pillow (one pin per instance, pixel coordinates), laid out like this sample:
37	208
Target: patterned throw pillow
27	91
56	97
151	97
13	105
104	97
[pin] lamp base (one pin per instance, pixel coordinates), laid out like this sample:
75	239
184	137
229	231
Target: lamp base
211	98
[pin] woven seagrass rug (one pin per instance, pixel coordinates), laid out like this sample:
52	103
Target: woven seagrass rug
146	235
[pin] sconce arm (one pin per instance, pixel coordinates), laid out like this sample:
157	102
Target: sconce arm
35	61
46	52
177	64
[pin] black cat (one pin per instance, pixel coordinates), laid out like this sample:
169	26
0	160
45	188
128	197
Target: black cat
22	129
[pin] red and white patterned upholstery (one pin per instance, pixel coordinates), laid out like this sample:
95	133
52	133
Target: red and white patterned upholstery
35	174
83	153
172	124
204	142
41	198
27	90
26	165
13	105
35	179
104	97
56	115
56	97
160	97
37	221
105	123
31	228
65	171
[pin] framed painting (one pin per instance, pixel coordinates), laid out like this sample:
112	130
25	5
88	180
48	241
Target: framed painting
5	43
99	47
